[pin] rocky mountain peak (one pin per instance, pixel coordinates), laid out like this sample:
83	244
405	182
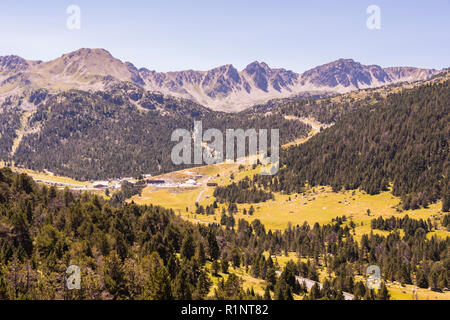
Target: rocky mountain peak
257	67
13	63
345	73
87	53
222	88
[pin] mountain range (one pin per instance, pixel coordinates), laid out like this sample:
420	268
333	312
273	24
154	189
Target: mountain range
223	88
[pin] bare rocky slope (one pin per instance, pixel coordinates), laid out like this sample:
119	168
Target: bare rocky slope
223	88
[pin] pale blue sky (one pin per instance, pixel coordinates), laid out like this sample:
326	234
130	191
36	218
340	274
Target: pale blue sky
176	35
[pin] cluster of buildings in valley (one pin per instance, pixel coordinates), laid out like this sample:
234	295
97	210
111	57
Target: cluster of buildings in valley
117	183
109	184
175	184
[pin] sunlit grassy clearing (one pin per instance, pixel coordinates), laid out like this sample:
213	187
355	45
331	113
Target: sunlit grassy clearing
405	292
248	282
319	205
47	177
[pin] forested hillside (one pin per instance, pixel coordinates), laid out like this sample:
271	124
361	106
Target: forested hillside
326	109
330	108
9	124
122	131
244	191
146	252
402	139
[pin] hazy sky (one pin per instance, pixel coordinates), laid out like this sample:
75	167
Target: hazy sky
170	35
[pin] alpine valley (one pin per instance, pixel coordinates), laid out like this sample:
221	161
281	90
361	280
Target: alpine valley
88	182
88	115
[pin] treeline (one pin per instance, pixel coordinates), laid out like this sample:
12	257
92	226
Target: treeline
127	190
410	226
446	221
208	210
323	109
12	109
123	131
403	140
244	191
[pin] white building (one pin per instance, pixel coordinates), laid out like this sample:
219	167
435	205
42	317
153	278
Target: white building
191	182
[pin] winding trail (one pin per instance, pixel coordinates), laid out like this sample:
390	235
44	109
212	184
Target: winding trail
199	195
21	132
203	190
315	125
